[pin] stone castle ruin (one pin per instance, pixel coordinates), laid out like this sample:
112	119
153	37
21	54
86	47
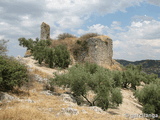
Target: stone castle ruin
99	49
45	31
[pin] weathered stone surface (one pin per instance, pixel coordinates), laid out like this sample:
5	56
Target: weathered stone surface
45	31
68	98
96	109
49	93
5	97
40	79
99	50
84	111
29	101
69	111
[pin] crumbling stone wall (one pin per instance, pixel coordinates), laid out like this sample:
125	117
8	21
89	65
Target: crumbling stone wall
45	31
99	50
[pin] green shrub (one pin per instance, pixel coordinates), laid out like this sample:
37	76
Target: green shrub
49	56
82	78
65	35
116	97
133	75
12	74
61	56
148	108
149	78
117	77
29	44
39	51
150	98
91	68
43	52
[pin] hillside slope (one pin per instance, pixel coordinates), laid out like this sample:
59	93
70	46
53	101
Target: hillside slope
42	104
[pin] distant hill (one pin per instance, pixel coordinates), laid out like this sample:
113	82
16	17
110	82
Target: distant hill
149	66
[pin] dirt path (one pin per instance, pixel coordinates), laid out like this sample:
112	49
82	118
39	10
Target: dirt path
129	107
34	66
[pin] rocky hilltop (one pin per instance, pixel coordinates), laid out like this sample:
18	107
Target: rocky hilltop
98	49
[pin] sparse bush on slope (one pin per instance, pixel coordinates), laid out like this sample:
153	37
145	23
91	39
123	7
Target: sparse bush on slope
12	74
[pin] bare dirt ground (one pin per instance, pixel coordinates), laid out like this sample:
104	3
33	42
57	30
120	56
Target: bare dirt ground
33	65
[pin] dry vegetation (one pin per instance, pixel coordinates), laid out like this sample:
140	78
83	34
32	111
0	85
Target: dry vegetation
47	108
69	42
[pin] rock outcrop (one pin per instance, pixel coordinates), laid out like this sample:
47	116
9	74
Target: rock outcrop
68	111
6	97
45	31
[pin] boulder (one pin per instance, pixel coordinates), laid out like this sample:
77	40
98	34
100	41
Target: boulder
68	98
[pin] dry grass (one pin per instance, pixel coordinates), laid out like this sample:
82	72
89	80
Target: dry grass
23	112
39	110
47	108
69	42
87	36
40	73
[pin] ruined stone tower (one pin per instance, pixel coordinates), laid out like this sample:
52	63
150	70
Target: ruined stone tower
45	31
100	51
